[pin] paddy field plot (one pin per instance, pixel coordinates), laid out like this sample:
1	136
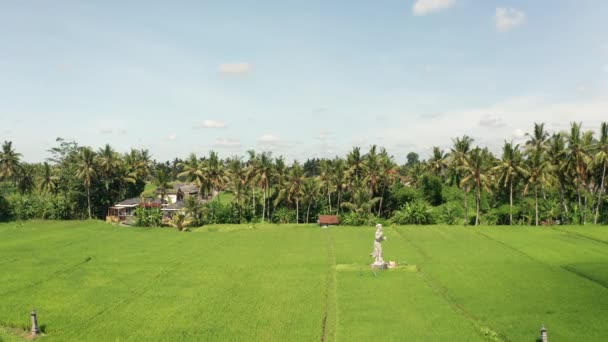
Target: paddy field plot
95	282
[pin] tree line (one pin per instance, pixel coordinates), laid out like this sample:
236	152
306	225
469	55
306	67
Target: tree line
554	177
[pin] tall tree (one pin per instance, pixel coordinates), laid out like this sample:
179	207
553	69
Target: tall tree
292	191
476	166
538	175
48	182
460	151
86	170
601	158
508	169
9	161
310	192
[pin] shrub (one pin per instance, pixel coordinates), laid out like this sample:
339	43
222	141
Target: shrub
148	217
357	219
432	189
450	214
283	215
417	212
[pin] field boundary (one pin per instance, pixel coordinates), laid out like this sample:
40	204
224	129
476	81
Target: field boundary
330	315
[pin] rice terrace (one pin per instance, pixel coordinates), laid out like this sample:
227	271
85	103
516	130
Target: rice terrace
398	170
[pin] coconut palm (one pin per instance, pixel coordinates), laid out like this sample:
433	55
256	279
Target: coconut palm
292	190
508	169
25	179
354	164
556	149
310	192
461	149
9	161
194	171
577	159
361	201
48	182
161	181
86	170
476	169
601	158
181	220
216	173
438	162
388	175
325	179
538	172
537	140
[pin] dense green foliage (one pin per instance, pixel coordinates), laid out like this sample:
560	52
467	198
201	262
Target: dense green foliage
553	178
97	282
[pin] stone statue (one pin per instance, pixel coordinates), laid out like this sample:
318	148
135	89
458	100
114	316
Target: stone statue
377	253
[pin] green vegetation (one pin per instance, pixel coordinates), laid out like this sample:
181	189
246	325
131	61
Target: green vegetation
93	281
557	178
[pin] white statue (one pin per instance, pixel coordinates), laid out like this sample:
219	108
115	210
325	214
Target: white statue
377	253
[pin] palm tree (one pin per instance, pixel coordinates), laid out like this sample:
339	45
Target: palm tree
263	176
461	149
48	182
339	180
361	200
388	174
601	158
216	173
477	166
181	221
509	168
438	162
325	179
161	181
354	164
538	175
25	179
556	149
577	160
9	161
292	191
194	171
86	170
538	139
237	183
310	192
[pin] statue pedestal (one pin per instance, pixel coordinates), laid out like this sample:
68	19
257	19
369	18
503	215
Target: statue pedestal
379	266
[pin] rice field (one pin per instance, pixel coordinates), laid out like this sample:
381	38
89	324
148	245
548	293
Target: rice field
90	281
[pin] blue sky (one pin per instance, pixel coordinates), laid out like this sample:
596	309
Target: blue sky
298	78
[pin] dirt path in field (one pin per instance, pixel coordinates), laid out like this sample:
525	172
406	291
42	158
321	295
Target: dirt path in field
330	316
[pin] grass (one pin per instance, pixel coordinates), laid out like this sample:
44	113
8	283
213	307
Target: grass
95	282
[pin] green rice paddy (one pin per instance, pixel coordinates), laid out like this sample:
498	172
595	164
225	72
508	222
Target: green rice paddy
90	281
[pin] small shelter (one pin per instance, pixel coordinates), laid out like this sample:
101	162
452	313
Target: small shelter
328	220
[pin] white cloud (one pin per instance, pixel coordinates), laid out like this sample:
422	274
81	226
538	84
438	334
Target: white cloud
519	134
211	124
490	121
271	140
235	68
227	143
423	7
518	116
508	18
172	137
110	126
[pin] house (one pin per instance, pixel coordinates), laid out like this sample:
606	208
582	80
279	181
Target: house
178	192
125	210
328	220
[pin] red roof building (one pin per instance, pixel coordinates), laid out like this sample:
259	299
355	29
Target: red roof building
328	220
